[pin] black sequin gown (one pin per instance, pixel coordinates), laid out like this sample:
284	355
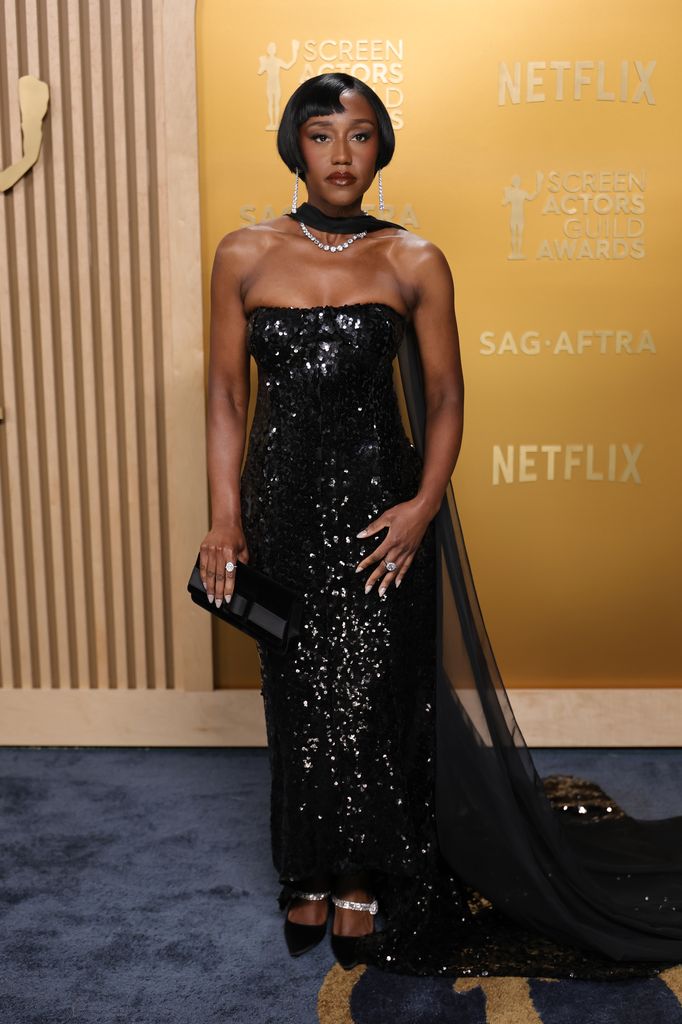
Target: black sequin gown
392	745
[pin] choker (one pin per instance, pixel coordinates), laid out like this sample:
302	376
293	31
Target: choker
315	218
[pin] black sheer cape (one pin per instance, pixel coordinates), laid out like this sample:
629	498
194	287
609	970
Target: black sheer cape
596	894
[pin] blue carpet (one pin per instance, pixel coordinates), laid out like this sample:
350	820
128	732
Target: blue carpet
136	885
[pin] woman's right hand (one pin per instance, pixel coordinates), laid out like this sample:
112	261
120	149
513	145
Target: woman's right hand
220	545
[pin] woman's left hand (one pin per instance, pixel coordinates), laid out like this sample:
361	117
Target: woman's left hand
407	523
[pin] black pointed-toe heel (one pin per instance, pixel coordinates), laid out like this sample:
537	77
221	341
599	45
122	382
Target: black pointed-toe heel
302	937
345	947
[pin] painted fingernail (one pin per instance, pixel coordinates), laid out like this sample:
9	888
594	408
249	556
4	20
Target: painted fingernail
361	534
358	568
228	598
368	588
398	582
218	602
382	591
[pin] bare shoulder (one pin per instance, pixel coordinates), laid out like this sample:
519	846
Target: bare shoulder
416	247
424	265
239	251
242	241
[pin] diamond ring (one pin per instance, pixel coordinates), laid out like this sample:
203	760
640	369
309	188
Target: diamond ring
230	566
391	566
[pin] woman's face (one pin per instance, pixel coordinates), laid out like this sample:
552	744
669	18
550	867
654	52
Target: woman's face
340	144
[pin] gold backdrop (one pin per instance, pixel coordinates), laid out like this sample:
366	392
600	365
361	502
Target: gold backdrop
542	154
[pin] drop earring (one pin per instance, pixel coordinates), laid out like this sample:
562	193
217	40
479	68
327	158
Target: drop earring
381	192
294	201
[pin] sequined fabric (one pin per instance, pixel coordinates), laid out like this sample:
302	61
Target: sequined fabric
350	709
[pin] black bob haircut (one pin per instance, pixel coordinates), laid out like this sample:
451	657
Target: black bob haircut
321	95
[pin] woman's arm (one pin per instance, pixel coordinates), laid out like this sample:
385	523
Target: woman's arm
438	338
229	386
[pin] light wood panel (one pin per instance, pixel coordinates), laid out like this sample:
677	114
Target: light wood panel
103	491
234	718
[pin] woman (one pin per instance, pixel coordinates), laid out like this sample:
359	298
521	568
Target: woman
335	501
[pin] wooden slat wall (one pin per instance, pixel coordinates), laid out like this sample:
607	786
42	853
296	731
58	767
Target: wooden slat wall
102	479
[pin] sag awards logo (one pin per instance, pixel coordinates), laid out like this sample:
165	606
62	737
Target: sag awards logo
586	215
379	62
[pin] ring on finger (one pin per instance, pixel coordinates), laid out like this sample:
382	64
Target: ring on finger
230	566
390	568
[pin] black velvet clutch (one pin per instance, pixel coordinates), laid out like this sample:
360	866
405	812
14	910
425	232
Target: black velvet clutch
266	610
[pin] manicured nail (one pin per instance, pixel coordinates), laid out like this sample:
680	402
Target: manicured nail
398	582
359	568
382	591
228	598
210	597
368	588
361	534
218	602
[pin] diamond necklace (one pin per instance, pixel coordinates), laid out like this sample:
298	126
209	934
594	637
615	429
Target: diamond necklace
332	248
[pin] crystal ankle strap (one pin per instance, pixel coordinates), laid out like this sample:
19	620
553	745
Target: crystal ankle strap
310	895
355	905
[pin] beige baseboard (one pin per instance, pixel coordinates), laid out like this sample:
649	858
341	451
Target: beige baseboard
234	718
599	717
